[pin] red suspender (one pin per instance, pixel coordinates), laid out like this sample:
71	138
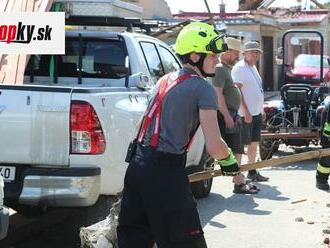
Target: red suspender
166	83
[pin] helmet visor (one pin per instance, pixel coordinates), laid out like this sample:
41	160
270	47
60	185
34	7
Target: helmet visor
217	45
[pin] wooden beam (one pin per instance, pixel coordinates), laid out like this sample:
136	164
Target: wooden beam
276	162
269	135
27	6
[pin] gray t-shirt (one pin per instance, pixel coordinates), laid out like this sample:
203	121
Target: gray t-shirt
224	80
180	113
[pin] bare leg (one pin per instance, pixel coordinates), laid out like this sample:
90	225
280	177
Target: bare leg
252	152
239	179
252	157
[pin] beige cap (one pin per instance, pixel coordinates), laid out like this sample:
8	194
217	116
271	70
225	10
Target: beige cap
252	46
232	43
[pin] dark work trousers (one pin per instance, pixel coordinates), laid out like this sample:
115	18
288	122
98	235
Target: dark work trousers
323	167
157	204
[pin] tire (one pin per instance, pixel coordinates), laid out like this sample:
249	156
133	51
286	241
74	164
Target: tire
266	149
201	189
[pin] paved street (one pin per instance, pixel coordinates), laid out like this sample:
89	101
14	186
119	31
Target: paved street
265	220
268	220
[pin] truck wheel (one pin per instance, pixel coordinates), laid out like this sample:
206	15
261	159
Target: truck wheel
201	189
266	149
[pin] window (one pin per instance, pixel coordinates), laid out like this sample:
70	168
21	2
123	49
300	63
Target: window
169	61
151	56
310	60
100	59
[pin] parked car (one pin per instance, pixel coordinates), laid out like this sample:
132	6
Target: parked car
307	68
65	132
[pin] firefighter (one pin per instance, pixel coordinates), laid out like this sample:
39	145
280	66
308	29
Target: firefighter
323	167
157	204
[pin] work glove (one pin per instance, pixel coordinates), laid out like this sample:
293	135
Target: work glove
326	130
229	166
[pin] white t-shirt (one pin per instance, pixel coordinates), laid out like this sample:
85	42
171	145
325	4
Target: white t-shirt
252	90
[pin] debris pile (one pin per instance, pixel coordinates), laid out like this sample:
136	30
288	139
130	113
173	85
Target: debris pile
104	233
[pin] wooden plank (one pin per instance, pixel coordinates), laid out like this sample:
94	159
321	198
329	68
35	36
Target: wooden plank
30	5
3	62
23	59
45	5
12	60
10	6
265	163
311	135
17	5
3	5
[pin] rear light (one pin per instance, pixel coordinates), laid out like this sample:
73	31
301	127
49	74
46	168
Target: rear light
86	132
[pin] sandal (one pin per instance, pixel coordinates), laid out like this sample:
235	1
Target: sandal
245	189
252	186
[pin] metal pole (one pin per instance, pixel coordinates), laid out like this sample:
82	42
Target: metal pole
209	11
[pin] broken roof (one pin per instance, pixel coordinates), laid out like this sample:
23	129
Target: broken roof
248	17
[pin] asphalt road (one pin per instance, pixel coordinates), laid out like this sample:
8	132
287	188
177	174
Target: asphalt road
265	220
268	219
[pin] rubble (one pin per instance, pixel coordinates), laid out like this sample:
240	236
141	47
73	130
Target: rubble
104	233
294	202
299	219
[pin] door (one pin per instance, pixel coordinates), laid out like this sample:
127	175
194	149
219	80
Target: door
268	61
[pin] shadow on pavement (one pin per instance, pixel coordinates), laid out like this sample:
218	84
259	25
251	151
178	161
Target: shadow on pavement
215	204
270	192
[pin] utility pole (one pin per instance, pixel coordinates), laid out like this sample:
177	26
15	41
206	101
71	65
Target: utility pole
318	4
209	11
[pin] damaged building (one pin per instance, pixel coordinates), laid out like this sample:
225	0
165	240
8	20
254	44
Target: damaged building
267	26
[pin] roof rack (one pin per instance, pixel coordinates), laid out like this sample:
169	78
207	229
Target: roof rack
111	21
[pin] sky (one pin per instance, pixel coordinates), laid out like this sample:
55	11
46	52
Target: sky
231	5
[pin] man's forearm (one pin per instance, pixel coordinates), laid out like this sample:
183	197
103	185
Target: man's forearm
243	103
223	107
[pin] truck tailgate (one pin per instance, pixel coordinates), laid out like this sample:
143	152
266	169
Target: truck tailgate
34	125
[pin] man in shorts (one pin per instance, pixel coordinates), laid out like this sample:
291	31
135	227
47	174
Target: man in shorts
229	100
247	77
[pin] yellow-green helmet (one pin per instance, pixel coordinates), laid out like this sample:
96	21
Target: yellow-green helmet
199	37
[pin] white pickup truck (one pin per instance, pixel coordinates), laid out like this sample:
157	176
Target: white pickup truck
64	133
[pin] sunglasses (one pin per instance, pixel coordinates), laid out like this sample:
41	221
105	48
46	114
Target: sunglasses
217	45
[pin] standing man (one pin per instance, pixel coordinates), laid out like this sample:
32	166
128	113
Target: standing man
251	110
157	204
229	100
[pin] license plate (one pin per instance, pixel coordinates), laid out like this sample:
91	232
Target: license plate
8	173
